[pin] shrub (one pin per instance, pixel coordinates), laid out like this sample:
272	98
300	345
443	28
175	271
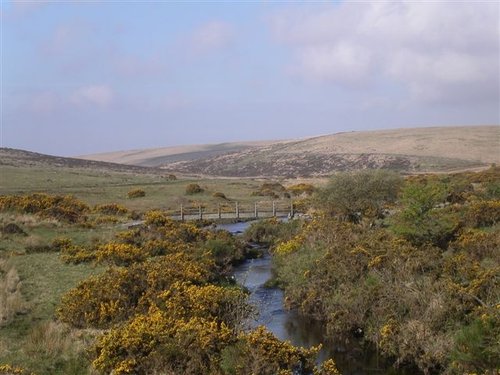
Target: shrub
219	195
193	189
12	228
65	208
299	189
270	189
354	195
421	220
111	209
136	193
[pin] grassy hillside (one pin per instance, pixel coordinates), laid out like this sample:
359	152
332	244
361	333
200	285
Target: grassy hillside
439	149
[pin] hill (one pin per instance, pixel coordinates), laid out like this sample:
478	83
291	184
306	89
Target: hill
21	158
435	149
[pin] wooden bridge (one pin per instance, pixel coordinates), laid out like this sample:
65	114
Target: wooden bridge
234	210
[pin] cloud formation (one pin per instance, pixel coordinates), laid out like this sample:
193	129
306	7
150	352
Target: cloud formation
432	48
98	95
211	36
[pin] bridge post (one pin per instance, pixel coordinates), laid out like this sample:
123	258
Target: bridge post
218	211
274	208
201	212
256	211
182	213
237	210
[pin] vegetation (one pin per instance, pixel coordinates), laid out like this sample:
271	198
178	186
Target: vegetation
422	284
136	193
193	189
410	265
357	195
157	298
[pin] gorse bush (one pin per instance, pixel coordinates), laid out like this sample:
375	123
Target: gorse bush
165	305
111	209
64	208
136	193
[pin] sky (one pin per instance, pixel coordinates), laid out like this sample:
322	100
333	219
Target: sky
81	77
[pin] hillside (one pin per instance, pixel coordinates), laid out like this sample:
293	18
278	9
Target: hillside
21	158
437	149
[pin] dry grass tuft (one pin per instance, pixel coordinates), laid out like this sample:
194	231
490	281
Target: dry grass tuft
52	340
12	302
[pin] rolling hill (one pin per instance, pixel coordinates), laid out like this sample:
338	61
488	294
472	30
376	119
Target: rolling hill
433	149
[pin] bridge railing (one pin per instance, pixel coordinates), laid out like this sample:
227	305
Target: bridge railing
234	210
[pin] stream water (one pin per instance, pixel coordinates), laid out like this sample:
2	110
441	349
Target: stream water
351	358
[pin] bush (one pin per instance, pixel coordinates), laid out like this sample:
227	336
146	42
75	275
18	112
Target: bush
270	189
354	195
300	189
111	209
136	193
193	189
64	208
219	195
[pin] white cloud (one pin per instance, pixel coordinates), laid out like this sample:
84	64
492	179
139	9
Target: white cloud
432	48
100	95
211	36
44	102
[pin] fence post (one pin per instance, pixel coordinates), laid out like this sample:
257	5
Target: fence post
201	212
274	208
237	210
218	211
182	213
256	211
291	209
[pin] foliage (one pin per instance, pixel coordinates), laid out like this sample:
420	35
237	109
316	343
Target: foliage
425	290
114	296
192	189
270	189
6	369
301	189
260	352
64	208
266	231
421	220
477	345
354	195
111	209
136	193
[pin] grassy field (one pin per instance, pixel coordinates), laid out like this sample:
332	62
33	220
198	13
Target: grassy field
95	187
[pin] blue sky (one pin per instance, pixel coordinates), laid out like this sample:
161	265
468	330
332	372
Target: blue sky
82	77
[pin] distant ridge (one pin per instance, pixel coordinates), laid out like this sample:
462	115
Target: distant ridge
21	158
409	150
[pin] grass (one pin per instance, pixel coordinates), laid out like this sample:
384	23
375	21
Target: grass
44	280
97	187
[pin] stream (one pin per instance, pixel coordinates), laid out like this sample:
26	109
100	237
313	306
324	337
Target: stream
351	358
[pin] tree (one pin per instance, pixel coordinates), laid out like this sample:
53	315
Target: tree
353	195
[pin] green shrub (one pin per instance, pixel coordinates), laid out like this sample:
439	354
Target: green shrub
354	195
